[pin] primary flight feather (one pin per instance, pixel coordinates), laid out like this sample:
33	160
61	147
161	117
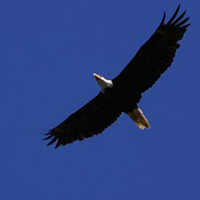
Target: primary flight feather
122	93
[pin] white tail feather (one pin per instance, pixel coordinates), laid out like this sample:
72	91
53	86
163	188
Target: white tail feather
138	117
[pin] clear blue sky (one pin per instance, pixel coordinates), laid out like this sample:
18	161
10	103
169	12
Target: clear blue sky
48	52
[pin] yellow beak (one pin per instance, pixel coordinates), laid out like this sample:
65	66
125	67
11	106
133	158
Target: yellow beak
96	76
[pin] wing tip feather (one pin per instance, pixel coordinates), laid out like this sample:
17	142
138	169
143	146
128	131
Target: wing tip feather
163	20
177	21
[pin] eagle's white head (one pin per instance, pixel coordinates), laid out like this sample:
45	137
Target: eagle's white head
102	82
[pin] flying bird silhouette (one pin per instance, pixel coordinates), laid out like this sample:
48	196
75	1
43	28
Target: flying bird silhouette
122	94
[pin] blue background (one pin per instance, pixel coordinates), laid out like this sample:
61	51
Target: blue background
48	53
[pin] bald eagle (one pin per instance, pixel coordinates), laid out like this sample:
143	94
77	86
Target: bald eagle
122	94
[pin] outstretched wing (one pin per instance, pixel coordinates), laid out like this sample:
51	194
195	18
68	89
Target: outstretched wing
154	57
90	120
